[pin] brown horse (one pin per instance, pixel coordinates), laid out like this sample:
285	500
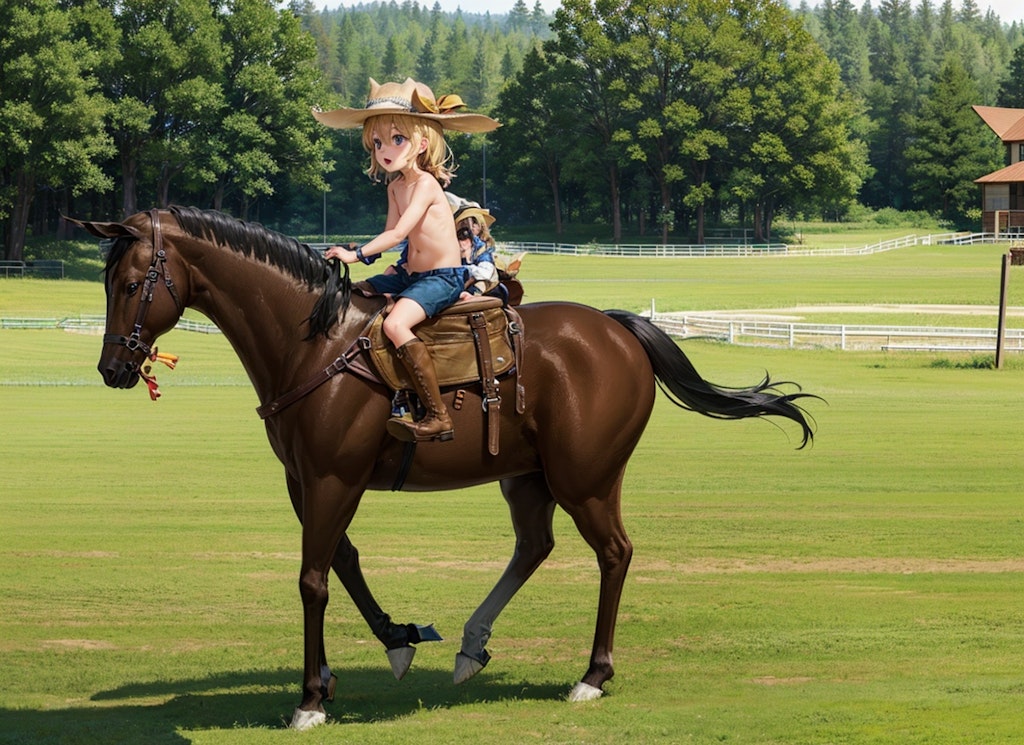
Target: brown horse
589	379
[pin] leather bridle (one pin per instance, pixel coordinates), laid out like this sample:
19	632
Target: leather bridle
157	268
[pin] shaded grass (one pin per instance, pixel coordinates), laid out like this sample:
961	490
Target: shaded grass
866	590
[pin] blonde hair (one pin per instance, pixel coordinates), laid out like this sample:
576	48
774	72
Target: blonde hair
436	159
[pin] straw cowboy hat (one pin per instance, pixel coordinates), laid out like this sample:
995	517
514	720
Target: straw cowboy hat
409	99
474	210
463	208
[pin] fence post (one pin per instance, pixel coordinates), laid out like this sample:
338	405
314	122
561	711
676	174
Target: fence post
1001	326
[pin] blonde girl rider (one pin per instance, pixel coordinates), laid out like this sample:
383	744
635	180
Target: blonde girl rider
403	130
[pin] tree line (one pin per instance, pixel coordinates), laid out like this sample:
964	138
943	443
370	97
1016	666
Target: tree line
106	102
732	112
654	116
915	71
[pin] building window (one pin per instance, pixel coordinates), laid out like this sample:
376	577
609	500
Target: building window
1020	151
996	197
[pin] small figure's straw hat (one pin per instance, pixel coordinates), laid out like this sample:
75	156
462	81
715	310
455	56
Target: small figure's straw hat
408	99
474	210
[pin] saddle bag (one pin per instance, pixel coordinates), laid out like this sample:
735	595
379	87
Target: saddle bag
450	338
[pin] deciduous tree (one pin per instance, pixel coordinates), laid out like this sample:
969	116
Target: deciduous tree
536	128
51	110
270	81
167	86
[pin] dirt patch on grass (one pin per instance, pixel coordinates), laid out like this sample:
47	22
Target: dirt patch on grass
89	645
836	565
767	565
771	680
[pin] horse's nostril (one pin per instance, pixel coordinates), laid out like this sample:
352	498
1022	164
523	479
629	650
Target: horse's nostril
116	374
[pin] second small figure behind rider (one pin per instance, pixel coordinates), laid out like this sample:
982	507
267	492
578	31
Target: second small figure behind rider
472	223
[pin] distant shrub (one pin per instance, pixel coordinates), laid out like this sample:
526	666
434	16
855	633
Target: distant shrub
977	362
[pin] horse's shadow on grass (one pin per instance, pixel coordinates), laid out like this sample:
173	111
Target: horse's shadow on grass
157	711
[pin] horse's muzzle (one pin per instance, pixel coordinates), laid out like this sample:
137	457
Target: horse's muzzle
118	373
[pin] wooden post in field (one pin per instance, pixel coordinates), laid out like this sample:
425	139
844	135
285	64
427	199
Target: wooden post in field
1001	326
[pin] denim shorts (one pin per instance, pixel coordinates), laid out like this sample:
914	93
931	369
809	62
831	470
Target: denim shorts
433	291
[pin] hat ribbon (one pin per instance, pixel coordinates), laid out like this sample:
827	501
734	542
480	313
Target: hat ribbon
446	104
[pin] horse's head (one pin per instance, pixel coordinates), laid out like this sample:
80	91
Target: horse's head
145	292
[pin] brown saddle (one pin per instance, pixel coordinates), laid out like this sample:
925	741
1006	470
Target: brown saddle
472	341
453	337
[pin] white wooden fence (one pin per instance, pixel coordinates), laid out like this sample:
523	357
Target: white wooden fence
87	324
838	336
738	249
852	337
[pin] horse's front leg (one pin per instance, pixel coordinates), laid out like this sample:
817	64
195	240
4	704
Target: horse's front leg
397	638
328	679
327	509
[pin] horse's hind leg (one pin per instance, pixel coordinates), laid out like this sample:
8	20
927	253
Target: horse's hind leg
600	523
532	509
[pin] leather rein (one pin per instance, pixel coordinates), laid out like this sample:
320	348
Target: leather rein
157	268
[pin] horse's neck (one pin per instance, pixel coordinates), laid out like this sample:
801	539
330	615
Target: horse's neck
261	310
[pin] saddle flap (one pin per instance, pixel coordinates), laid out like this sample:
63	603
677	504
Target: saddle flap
449	337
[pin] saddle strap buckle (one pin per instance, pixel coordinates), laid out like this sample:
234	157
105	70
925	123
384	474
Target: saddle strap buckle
491	398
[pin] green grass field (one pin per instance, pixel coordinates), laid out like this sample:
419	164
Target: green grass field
866	590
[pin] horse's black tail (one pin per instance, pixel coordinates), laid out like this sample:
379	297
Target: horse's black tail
684	386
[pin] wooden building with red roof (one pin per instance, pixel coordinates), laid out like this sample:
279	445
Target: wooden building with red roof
1002	191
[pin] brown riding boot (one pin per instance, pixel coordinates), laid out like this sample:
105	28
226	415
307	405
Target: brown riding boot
437	424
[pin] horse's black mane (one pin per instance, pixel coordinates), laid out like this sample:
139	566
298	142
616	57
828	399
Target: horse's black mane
262	244
254	240
297	259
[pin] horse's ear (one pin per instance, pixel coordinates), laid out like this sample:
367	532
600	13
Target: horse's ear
106	229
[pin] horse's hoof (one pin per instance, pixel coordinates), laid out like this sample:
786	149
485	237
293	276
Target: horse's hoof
466	667
303	720
401	660
585	692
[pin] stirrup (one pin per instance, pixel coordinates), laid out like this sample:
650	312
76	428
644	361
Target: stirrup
404	430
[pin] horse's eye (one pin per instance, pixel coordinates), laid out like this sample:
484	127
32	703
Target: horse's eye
132	288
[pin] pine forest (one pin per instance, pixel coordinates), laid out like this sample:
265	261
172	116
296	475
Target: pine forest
668	120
